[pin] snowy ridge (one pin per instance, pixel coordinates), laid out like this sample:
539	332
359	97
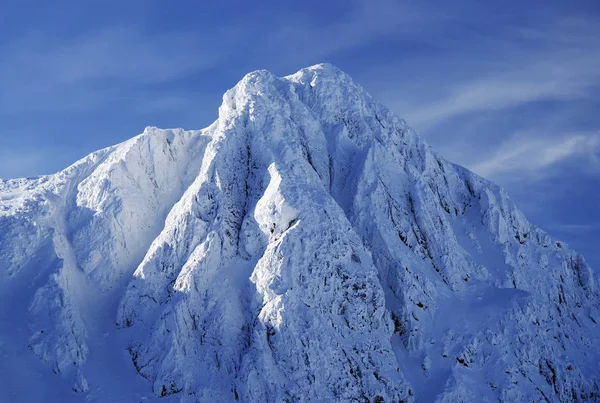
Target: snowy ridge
307	246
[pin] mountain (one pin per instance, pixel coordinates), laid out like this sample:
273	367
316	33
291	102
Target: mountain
307	246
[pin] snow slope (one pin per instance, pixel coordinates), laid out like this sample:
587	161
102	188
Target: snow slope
307	246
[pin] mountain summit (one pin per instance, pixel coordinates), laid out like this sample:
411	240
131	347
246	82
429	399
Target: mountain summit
307	246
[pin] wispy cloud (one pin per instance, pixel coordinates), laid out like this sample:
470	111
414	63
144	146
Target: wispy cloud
45	72
433	62
41	72
552	60
525	154
561	79
110	53
353	25
515	106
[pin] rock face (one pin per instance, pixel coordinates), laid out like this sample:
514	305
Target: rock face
307	246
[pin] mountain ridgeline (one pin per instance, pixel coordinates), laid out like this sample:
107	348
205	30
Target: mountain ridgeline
307	246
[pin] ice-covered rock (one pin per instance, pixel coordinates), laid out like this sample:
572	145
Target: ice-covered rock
307	246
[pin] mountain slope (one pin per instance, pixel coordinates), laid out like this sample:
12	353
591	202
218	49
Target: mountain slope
306	246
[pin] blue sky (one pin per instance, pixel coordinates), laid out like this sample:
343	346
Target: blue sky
508	89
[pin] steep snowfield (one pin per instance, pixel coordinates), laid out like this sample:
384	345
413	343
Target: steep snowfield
307	246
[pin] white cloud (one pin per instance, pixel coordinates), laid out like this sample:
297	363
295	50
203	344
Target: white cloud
301	39
114	52
564	76
535	81
527	154
499	93
554	61
41	72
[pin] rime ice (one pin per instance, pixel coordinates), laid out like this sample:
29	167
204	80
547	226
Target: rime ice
306	246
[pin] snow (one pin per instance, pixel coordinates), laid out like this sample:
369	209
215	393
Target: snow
307	246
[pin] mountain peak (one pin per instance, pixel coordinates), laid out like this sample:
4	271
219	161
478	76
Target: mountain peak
307	246
319	69
324	74
323	69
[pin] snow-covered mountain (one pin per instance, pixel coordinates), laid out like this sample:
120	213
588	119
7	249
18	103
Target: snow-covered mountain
307	246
